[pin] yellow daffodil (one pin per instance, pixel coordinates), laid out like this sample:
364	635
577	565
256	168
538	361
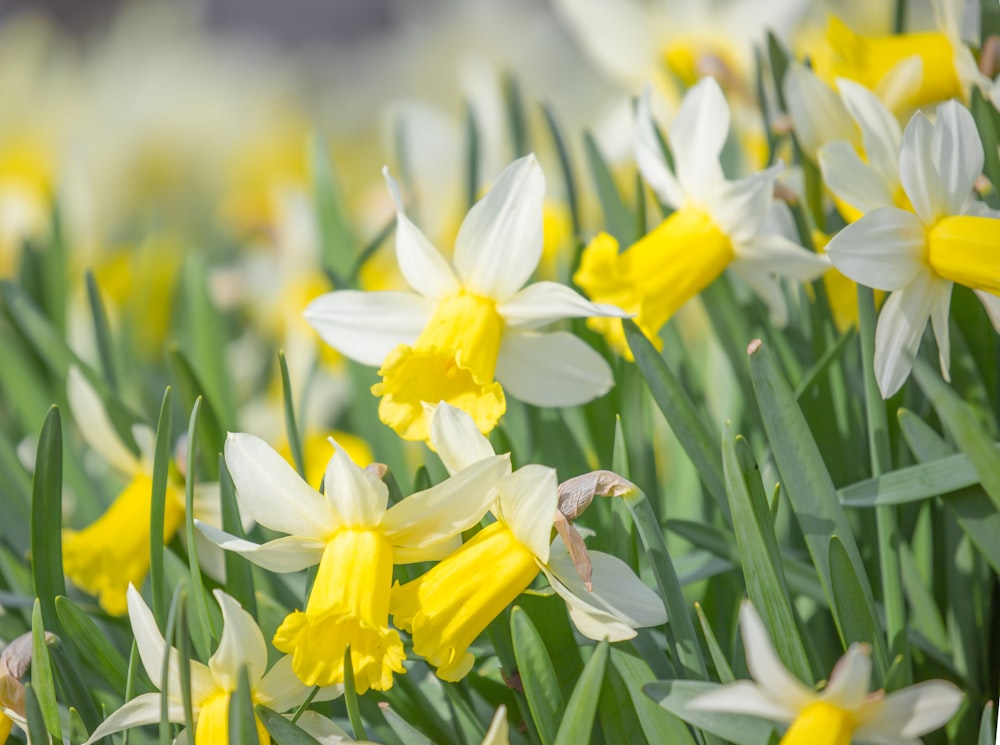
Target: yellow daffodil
918	254
241	646
717	224
449	606
355	539
470	334
843	712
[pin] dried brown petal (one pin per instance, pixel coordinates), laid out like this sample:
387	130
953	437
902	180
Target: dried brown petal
577	549
576	494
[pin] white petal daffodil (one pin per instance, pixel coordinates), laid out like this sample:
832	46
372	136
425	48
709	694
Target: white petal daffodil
113	551
241	646
918	255
355	538
469	332
717	224
446	608
843	712
907	70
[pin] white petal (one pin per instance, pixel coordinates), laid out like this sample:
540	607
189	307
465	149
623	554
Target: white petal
366	326
499	732
555	369
148	639
95	425
619	602
272	492
141	710
849	681
500	241
527	504
323	730
852	180
697	136
649	156
992	305
940	310
242	646
445	510
744	697
355	495
818	112
457	439
914	711
879	129
884	249
740	208
766	287
542	303
958	153
282	690
778	255
422	265
921	181
616	33
289	554
764	665
900	326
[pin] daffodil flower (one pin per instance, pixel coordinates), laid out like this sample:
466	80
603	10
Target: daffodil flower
241	646
906	70
446	608
355	540
918	255
718	224
844	711
113	551
469	333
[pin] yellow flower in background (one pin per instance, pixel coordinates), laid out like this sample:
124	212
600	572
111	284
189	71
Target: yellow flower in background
717	224
316	452
26	174
842	711
470	333
355	538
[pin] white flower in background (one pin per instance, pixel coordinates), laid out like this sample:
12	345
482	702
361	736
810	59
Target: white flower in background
241	646
717	224
469	324
918	256
844	711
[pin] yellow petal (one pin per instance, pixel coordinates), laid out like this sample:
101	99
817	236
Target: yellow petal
821	723
212	727
113	551
449	606
966	250
5	726
348	606
453	360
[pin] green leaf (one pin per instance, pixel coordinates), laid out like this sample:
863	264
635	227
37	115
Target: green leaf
41	673
46	519
761	557
807	483
912	483
675	695
283	731
855	617
351	697
471	154
242	723
618	220
36	722
210	431
578	719
659	726
984	116
778	58
17	498
336	240
206	629
158	501
239	576
987	726
100	654
291	429
961	422
538	676
722	667
566	166
102	333
685	422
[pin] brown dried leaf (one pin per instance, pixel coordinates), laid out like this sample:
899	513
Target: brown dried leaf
576	494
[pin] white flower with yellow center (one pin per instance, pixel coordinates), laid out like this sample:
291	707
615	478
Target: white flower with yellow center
241	646
843	712
471	328
446	608
949	237
354	536
717	224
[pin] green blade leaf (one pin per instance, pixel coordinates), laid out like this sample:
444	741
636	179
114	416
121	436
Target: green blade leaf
242	723
538	676
855	618
283	731
102	332
659	726
41	673
46	519
913	483
619	221
206	628
33	713
158	501
100	654
739	729
578	719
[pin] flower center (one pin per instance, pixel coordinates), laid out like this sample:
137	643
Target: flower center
348	607
821	723
449	606
867	60
453	360
966	250
113	551
655	276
